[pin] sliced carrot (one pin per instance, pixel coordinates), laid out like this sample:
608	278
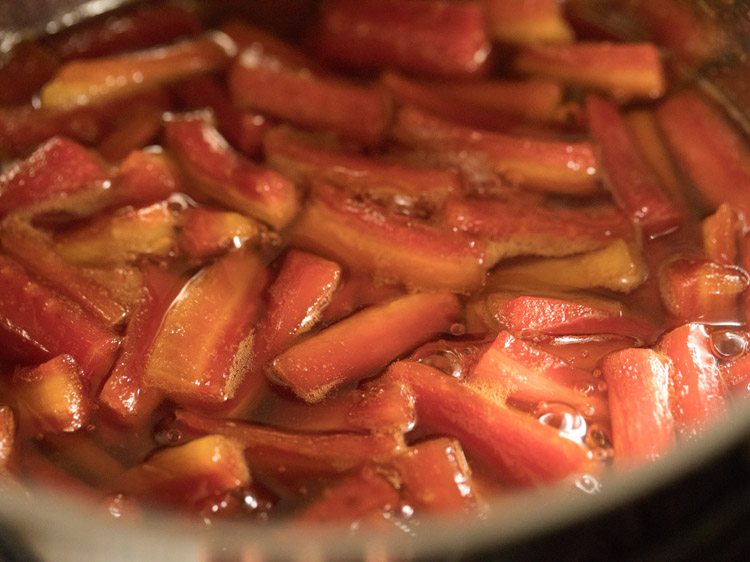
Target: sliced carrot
431	37
521	22
638	386
216	171
363	343
699	397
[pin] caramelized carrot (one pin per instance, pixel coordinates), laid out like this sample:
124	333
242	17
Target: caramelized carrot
522	22
518	448
699	397
206	232
430	37
202	350
216	171
625	70
393	247
638	383
634	185
359	345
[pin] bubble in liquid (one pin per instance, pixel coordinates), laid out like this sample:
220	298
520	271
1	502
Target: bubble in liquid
727	344
566	419
599	443
588	484
168	436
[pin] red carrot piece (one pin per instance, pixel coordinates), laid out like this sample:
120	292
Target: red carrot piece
720	170
393	247
624	70
202	350
49	321
216	171
354	111
513	445
514	369
425	36
699	397
634	185
556	166
536	316
207	232
56	169
638	386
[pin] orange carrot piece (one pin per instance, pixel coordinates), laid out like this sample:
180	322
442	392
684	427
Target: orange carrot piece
396	249
361	344
202	350
95	81
357	112
638	382
50	322
554	166
634	185
218	172
521	22
431	37
515	446
721	235
699	396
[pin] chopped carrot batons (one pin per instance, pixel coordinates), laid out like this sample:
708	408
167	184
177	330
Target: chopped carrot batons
354	111
203	347
512	369
304	160
7	435
699	395
538	316
53	396
265	47
57	169
555	166
48	321
634	185
121	236
626	71
244	130
430	37
701	290
301	291
522	22
216	171
95	81
302	455
140	28
584	352
26	68
721	235
638	387
617	267
207	232
355	498
145	177
185	475
123	393
539	101
363	343
720	169
393	247
423	95
380	406
519	448
435	477
36	251
82	457
645	132
515	229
